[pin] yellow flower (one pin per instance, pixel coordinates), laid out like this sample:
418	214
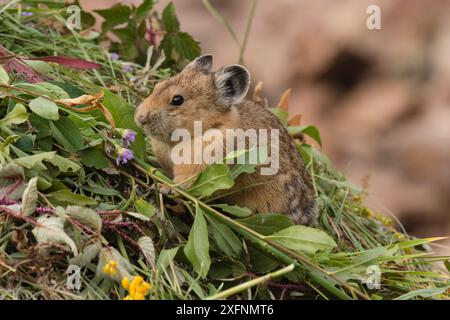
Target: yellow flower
125	283
137	288
110	268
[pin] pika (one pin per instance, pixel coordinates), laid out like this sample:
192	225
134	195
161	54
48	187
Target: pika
217	99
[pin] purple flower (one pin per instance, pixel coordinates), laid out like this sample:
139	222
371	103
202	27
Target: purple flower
27	13
128	136
124	155
114	56
127	67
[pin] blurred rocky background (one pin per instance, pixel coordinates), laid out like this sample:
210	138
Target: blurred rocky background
381	98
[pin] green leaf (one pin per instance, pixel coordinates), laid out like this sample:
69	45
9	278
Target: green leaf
35	161
17	115
44	108
67	133
197	246
236	211
44	89
447	265
304	239
310	130
148	249
260	261
64	197
180	46
225	238
144	9
4	78
115	15
64	164
214	177
123	113
267	223
137	215
281	114
30	197
144	207
51	230
424	293
97	189
169	19
86	216
247	161
41	125
40	66
165	257
94	158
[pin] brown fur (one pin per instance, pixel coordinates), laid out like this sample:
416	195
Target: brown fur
287	192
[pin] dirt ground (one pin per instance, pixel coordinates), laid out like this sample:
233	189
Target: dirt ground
380	98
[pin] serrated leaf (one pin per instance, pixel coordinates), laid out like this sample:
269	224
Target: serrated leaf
44	108
30	197
148	249
115	15
144	9
85	216
17	115
87	255
197	246
180	46
51	230
304	239
214	177
169	19
267	223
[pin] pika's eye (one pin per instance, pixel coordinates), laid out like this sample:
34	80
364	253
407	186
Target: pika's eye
177	100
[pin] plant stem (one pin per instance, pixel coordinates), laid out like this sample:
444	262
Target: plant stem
248	27
251	283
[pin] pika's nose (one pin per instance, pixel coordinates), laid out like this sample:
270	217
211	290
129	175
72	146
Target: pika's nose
141	119
140	116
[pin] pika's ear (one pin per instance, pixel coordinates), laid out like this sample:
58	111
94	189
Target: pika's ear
203	63
233	83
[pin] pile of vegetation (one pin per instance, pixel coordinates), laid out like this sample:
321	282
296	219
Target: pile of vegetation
81	214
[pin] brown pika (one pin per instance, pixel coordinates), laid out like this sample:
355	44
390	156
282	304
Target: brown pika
217	99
